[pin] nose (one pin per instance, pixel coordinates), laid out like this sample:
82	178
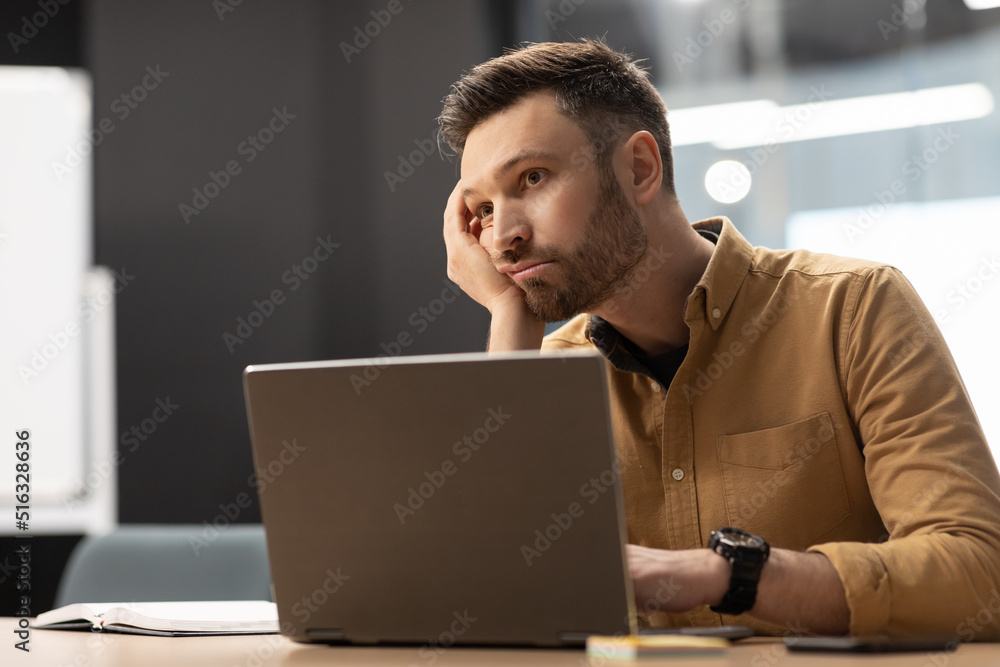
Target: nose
510	228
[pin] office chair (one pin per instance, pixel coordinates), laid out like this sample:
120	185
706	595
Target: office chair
145	563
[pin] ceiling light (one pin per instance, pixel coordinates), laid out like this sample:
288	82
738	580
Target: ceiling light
763	122
982	4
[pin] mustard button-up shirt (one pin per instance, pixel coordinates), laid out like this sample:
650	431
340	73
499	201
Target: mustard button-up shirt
818	406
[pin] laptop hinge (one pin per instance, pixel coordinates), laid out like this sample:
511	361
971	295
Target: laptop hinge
574	636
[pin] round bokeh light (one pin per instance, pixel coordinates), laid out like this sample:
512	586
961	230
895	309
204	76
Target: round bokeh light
727	181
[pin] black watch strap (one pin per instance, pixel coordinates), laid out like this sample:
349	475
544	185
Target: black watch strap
746	554
740	598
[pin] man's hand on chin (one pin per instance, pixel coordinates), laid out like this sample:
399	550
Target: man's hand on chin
676	581
513	327
469	263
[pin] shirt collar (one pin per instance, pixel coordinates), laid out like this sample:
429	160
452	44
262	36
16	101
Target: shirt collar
609	342
717	289
714	294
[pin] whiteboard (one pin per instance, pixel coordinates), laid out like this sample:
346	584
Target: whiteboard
45	249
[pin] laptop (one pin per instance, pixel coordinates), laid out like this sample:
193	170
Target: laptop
441	500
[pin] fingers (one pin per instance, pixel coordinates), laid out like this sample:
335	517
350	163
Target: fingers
469	262
476	228
456	214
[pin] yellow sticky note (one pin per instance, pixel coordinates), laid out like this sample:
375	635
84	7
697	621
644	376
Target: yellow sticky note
634	646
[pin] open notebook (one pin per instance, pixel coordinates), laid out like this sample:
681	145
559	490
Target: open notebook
168	619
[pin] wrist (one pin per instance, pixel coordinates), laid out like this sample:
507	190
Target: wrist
718	571
514	327
510	304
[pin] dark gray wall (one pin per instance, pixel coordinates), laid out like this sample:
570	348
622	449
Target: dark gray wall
323	176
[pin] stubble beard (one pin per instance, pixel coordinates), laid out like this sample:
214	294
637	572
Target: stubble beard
601	265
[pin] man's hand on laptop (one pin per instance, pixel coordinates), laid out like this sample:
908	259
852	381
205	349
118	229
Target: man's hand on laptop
795	587
513	326
676	581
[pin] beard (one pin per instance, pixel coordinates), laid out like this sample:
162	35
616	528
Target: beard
601	264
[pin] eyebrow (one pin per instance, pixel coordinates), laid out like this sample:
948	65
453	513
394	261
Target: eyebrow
513	161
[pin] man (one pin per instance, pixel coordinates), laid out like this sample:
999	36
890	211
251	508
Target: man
806	399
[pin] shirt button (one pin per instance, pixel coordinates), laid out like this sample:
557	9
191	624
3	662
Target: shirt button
677	474
716	313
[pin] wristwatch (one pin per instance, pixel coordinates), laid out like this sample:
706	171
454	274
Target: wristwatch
747	554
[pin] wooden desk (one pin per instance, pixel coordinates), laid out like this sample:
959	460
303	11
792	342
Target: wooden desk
58	648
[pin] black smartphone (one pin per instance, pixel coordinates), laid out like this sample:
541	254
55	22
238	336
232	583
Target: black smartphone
872	644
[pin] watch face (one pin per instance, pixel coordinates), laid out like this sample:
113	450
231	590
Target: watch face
745	540
742	538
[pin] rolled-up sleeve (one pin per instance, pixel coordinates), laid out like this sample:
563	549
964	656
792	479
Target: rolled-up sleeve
931	475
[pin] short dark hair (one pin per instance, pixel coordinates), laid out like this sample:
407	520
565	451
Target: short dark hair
604	91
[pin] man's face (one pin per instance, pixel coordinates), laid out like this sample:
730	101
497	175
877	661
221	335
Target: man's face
561	228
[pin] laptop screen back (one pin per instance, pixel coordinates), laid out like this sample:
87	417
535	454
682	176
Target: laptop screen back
447	499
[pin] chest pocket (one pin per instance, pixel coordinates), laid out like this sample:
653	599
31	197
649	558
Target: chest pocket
785	483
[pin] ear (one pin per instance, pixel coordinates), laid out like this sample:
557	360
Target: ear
645	170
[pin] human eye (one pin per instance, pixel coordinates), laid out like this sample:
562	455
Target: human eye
484	211
533	177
